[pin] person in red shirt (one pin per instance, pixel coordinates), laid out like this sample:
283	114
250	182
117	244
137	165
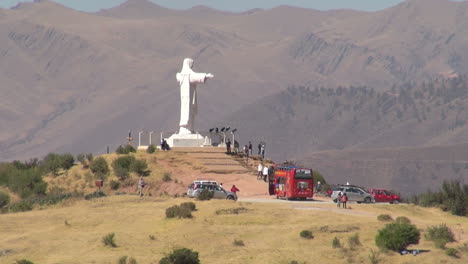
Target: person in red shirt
344	200
234	189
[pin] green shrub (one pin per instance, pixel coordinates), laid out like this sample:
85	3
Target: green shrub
53	163
96	194
178	211
232	211
238	243
67	161
354	242
440	235
121	173
100	168
167	177
384	218
336	243
452	252
127	260
403	220
4	199
108	240
181	256
140	167
24	261
90	157
21	206
114	185
205	195
306	234
82	159
397	236
27	182
125	149
151	149
190	205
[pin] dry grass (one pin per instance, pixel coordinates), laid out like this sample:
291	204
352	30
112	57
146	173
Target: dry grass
269	231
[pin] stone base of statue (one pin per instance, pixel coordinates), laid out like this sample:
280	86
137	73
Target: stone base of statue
186	140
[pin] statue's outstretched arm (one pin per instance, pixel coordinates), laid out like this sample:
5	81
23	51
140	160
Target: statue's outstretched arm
209	75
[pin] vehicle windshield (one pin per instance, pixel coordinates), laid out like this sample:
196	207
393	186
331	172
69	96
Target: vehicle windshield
303	174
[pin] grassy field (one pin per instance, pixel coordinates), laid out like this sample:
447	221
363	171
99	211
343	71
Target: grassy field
72	232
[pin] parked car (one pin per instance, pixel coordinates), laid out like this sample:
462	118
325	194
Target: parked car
354	193
384	196
218	191
195	185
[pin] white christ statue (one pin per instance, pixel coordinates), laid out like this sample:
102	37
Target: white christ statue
188	80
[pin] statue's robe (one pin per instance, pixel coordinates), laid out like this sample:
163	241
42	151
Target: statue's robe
188	80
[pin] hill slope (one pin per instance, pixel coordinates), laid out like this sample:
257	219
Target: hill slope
72	81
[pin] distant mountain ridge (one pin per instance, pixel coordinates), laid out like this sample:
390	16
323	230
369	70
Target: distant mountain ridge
77	82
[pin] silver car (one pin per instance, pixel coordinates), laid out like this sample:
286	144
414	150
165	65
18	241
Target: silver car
354	193
192	188
218	191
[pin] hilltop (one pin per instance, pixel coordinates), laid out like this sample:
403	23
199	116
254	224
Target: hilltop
66	75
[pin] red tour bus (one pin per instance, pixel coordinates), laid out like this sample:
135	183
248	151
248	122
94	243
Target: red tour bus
291	182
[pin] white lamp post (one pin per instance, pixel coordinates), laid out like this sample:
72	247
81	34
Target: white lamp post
139	138
150	133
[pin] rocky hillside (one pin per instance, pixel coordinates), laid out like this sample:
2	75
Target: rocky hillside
76	82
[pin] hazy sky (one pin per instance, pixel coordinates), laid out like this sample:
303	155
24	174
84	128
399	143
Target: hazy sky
231	5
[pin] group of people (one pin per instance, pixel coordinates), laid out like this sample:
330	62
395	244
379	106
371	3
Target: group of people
341	199
248	149
264	171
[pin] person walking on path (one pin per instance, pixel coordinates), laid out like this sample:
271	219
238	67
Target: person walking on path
265	173
234	189
259	171
250	148
141	185
344	200
338	200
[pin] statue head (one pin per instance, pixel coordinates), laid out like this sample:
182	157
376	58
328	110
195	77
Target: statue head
187	65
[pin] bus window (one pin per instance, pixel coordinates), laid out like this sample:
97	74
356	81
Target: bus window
303	174
302	185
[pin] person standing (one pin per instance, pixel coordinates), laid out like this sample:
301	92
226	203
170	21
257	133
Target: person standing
263	150
259	171
318	187
246	152
228	146
250	148
141	185
338	200
236	146
265	173
234	189
344	200
259	148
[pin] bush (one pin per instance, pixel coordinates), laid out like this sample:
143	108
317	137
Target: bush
306	234
21	206
384	218
125	150
151	149
374	257
27	182
178	211
232	211
440	235
93	195
127	260
181	256
67	161
336	243
140	167
354	242
24	261
190	205
205	195
108	240
100	168
167	177
452	252
82	159
238	243
114	185
397	237
4	199
122	166
90	157
53	163
121	173
402	220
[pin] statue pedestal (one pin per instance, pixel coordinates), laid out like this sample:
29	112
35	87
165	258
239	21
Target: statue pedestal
186	140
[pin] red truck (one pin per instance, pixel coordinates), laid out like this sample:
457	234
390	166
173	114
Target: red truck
384	196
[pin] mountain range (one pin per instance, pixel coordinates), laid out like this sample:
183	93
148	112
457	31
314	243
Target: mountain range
77	82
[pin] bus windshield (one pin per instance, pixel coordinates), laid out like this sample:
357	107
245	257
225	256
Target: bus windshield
303	174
